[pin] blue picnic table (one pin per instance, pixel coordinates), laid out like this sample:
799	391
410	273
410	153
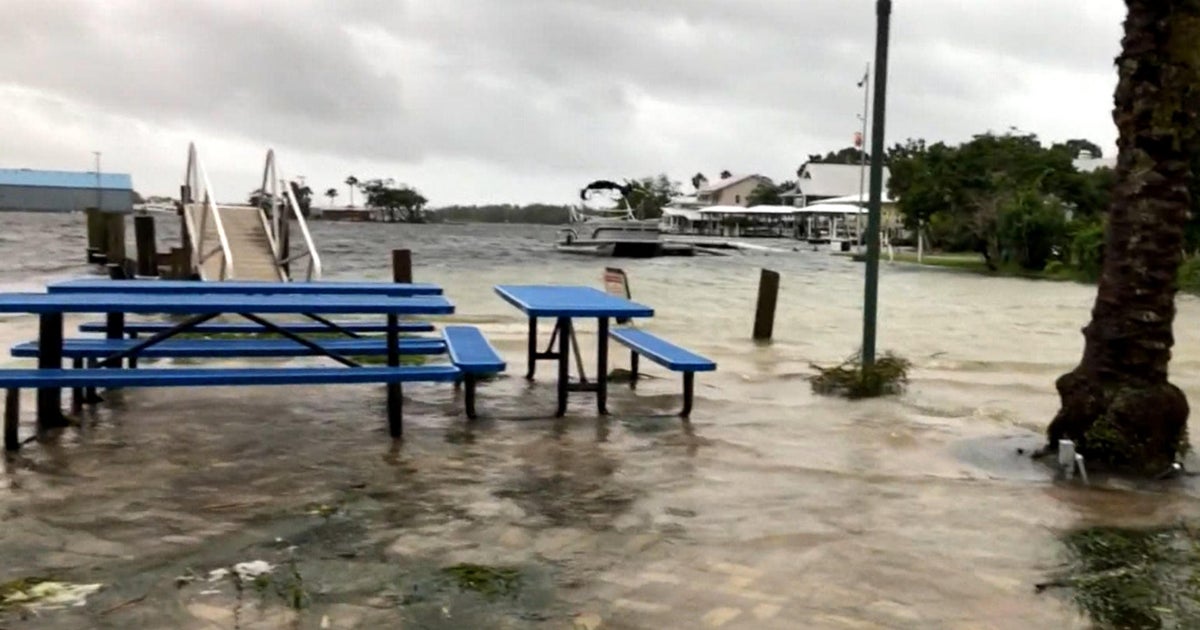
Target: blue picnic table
566	303
202	307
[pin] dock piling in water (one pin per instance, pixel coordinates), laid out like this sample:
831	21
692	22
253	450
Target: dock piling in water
402	266
147	245
764	315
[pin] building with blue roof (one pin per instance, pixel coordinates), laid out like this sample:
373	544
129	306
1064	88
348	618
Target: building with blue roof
23	189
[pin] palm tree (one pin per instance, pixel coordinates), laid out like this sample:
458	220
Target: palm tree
332	193
1118	405
351	182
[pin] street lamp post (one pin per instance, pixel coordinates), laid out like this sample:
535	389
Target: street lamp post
99	196
883	10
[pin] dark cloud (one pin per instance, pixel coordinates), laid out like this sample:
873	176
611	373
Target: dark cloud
559	88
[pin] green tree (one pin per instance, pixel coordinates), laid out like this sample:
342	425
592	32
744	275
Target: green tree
649	195
303	195
766	195
1118	405
699	181
398	203
332	194
849	155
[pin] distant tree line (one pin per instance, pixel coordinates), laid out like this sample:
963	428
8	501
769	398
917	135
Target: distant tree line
538	213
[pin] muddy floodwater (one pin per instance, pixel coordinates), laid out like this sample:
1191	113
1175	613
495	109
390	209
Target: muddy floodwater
772	508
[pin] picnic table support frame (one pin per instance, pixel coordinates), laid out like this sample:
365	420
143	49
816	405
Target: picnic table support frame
331	325
469	395
633	368
114	360
115	329
602	367
50	343
311	345
689	385
12	416
565	331
395	394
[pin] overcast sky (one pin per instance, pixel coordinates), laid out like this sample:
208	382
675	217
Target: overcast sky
477	101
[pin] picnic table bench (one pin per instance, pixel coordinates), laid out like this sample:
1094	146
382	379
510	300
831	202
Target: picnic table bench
180	287
666	354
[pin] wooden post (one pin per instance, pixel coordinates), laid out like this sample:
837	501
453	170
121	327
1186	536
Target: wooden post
147	245
402	266
764	315
97	244
114	232
185	242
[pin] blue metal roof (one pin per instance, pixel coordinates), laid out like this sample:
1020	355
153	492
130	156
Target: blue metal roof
64	179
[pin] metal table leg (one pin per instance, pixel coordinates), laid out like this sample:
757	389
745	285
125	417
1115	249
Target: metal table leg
50	347
395	396
564	363
533	348
602	367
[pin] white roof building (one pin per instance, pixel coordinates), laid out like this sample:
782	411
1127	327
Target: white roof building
818	181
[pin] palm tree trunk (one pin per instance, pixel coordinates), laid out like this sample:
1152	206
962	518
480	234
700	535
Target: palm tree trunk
1118	404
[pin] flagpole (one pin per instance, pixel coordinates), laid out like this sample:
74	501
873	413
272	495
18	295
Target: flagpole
865	84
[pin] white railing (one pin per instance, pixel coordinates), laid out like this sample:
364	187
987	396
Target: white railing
198	186
283	209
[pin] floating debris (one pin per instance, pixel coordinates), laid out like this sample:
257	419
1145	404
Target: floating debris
44	593
247	571
889	376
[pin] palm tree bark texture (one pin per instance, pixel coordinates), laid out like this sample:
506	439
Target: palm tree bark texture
1118	405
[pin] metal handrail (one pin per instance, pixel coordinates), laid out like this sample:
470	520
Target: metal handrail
314	259
276	223
197	178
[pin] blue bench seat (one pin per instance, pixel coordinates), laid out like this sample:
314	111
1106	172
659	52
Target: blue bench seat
230	348
300	328
666	354
14	380
471	353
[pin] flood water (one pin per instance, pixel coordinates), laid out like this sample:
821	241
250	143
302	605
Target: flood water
772	508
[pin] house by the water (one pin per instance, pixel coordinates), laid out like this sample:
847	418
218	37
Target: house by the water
28	190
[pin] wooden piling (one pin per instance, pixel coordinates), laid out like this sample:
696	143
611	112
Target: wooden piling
402	266
185	242
764	315
114	234
97	244
147	245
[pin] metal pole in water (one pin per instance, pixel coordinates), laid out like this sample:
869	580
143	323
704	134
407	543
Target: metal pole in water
883	11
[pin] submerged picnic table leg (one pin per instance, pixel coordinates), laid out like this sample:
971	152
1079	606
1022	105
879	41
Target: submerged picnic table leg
533	349
602	368
564	363
395	396
50	347
115	329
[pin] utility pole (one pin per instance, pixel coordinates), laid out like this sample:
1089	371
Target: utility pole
865	84
99	195
883	10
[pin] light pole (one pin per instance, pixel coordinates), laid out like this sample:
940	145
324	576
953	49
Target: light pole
883	10
865	84
99	196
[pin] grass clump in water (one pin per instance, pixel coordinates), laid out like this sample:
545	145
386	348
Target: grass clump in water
491	582
1135	579
889	376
